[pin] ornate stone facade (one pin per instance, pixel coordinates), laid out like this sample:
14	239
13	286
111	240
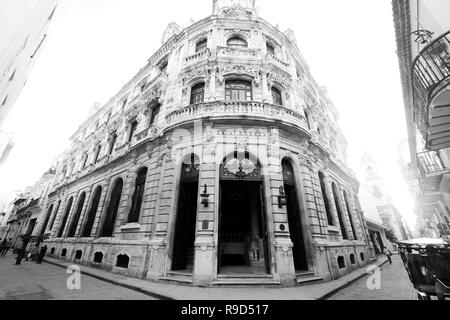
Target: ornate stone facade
230	132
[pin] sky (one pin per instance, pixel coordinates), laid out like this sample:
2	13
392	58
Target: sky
95	46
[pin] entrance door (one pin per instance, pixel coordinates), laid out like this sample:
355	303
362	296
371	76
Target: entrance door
295	225
242	237
184	238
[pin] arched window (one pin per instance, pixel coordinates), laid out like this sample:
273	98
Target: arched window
352	259
138	196
54	216
64	220
350	215
237	42
78	254
98	257
325	199
363	258
238	90
339	211
111	214
270	49
90	217
123	261
47	218
276	97
76	217
198	93
202	44
64	252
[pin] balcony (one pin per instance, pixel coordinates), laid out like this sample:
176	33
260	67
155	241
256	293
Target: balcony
431	80
431	171
200	56
238	109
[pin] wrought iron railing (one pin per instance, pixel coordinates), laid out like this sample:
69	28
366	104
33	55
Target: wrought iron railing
428	163
431	67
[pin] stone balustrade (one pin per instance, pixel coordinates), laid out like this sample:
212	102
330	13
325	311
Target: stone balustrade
245	109
277	61
198	56
238	52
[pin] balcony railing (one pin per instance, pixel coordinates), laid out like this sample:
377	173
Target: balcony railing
198	56
245	109
431	171
432	66
430	75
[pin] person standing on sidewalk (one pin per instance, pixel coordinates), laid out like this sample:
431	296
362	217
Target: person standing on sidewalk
388	254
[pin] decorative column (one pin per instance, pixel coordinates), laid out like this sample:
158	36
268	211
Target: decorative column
163	210
282	244
205	262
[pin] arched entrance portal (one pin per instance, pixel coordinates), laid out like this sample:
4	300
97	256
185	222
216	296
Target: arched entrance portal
184	238
243	243
293	211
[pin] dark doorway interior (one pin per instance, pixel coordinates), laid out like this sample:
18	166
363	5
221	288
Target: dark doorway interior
183	251
242	235
296	229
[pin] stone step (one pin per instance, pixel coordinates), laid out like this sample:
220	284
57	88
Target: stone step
176	280
308	280
179	274
300	274
245	282
244	276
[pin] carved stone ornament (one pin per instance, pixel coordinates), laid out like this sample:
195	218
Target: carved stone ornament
237	11
236	31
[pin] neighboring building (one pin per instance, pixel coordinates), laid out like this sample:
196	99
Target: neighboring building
6	144
423	41
386	210
20	45
221	157
26	217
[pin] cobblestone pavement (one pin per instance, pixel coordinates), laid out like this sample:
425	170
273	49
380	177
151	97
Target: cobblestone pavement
31	281
395	285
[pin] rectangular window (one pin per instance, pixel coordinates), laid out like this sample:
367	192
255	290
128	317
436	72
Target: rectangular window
113	143
238	91
97	153
155	114
133	128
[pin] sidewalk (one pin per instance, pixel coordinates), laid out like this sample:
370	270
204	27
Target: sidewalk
165	291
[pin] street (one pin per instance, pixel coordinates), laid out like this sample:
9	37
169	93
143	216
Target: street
31	281
395	285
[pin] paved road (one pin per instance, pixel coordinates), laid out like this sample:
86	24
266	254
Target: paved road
31	281
395	285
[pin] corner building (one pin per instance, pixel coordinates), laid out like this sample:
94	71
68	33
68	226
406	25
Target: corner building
219	163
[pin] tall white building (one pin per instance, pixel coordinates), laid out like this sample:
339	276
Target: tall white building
23	29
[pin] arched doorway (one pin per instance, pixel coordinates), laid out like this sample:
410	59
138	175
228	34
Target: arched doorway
293	212
185	225
243	238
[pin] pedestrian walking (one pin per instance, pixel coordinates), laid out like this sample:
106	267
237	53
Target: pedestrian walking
41	254
388	254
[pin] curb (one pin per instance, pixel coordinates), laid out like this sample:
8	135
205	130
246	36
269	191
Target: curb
346	284
117	283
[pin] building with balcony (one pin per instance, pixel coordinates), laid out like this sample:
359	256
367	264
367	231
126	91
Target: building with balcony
20	45
219	163
26	216
423	42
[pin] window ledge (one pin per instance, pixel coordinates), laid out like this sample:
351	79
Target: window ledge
130	226
333	229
